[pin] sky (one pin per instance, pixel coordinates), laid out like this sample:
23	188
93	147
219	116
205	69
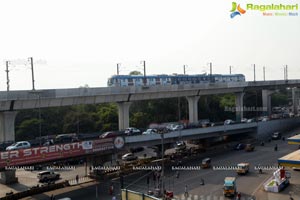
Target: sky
79	42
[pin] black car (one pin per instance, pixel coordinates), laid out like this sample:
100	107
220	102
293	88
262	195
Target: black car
276	136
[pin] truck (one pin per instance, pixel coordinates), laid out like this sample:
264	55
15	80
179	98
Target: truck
242	168
229	188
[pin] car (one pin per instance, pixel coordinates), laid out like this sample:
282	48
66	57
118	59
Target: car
109	134
136	149
132	131
5	144
177	127
180	145
150	131
129	157
228	121
276	136
19	145
239	146
250	120
244	120
45	176
249	147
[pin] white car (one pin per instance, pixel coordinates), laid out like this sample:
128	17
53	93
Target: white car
150	131
178	127
228	121
132	131
18	145
129	157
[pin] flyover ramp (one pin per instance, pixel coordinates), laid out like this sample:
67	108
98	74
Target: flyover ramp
187	134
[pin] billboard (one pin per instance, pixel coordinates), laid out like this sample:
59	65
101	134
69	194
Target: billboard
54	152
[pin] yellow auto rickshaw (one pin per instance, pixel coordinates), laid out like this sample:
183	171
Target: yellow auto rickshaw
206	163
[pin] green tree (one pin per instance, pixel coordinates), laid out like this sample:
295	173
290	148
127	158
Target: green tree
28	129
135	73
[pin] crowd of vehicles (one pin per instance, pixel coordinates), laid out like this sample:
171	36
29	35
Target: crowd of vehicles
175	79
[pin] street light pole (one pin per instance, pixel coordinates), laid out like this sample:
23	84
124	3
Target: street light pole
254	78
40	120
7	76
163	163
264	73
118	68
32	72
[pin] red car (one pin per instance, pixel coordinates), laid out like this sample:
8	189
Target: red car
108	134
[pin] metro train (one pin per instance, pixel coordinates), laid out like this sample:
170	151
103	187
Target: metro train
175	79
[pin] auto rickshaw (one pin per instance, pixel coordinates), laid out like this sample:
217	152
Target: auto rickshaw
206	163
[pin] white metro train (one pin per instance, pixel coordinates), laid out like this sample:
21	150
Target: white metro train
151	80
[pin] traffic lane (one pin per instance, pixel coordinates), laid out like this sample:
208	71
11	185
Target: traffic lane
214	179
28	179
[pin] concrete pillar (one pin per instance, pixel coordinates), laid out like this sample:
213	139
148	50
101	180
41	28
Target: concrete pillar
295	102
7	125
8	177
193	108
239	104
266	101
123	108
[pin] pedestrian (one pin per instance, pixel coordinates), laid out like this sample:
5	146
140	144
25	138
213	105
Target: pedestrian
202	181
177	174
77	178
111	189
186	194
276	147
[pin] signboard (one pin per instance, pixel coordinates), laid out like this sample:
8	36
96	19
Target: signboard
54	152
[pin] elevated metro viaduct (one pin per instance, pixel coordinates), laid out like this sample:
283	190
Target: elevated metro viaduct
12	101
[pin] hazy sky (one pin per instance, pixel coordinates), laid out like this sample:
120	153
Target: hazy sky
80	42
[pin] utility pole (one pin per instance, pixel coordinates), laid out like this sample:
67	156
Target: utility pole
264	72
32	72
144	64
286	73
118	68
229	69
7	76
184	69
254	72
210	71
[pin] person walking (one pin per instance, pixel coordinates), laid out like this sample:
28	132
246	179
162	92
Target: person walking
186	194
77	179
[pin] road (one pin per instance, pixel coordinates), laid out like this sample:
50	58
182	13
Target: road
247	185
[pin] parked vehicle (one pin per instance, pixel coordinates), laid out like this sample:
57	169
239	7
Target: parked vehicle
45	176
249	147
150	131
243	168
229	188
129	157
19	145
276	136
132	131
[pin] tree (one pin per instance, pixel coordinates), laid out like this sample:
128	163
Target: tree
135	73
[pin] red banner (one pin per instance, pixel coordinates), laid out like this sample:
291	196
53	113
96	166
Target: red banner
54	152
